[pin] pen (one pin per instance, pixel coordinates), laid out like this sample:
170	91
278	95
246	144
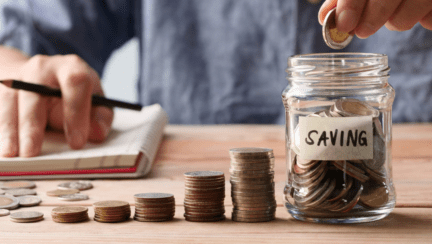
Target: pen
51	92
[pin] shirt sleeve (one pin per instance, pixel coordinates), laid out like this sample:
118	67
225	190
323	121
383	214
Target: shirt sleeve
91	29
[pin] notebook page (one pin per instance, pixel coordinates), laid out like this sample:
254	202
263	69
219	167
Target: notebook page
131	133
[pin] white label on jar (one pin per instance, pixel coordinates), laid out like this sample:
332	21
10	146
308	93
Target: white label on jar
346	138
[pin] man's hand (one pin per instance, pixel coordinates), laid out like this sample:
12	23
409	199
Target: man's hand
365	17
24	116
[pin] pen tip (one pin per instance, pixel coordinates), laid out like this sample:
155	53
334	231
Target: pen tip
7	83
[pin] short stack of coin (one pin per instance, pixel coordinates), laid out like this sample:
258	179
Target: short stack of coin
252	184
204	196
111	211
26	217
154	207
69	214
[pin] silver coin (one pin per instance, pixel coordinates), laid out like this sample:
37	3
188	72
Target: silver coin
251	151
4	212
375	195
353	108
29	201
8	202
81	185
351	170
26	217
332	36
204	174
20	192
73	197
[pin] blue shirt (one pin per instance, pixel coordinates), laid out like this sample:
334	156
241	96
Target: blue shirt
212	61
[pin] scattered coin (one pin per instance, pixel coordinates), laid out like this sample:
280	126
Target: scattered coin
73	197
69	214
111	211
20	192
29	201
204	196
4	212
252	184
81	185
8	185
8	202
57	193
332	36
26	217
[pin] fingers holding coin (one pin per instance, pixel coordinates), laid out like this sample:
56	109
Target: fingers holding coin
363	18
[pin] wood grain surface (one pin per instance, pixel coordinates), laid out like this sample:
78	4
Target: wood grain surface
190	148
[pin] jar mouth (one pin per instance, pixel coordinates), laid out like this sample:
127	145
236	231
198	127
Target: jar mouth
337	56
338	65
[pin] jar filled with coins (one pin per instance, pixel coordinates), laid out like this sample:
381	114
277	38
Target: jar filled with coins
338	138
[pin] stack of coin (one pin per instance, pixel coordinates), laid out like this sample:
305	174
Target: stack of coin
70	214
154	207
22	184
26	217
204	196
339	186
111	211
252	184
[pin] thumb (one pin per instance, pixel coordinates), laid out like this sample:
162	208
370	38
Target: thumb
100	125
325	8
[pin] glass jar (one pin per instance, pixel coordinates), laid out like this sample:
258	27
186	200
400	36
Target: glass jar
338	138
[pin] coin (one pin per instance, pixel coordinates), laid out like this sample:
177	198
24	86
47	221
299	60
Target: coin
73	197
203	219
26	217
29	201
351	170
353	108
4	212
154	207
111	211
79	185
57	193
69	214
375	195
20	192
8	202
252	184
8	185
332	36
204	195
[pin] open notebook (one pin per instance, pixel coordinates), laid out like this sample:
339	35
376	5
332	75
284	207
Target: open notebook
128	152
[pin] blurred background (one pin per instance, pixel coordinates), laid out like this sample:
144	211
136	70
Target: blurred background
122	65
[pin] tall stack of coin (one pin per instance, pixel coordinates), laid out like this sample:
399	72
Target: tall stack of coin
111	211
339	186
154	207
252	184
204	196
69	214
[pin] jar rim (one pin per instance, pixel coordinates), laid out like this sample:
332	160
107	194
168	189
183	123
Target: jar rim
337	56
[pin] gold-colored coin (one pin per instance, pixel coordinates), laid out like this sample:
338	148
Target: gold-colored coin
334	38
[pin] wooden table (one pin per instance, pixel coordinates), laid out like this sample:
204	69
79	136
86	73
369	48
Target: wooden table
190	148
